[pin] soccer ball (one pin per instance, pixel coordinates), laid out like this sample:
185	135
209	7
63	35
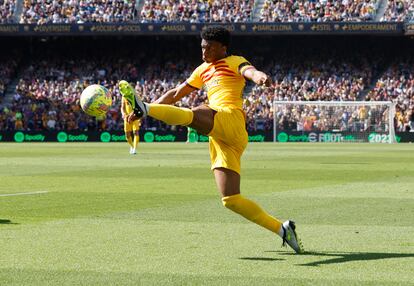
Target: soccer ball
95	100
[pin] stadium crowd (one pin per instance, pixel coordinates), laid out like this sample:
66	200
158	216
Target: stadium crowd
397	84
196	11
70	11
99	11
340	118
318	10
307	79
50	83
201	11
7	8
7	70
399	10
47	94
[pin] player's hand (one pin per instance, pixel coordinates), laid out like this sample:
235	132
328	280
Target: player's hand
260	78
131	117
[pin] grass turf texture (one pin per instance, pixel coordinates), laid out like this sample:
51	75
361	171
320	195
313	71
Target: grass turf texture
110	218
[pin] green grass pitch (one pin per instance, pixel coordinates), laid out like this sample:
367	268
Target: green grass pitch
95	215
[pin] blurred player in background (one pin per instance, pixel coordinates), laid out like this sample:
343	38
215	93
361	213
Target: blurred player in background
223	120
131	128
192	135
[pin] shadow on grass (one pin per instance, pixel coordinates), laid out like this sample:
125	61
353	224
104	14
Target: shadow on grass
260	258
6	221
343	257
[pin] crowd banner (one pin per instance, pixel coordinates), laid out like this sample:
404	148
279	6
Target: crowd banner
150	136
294	28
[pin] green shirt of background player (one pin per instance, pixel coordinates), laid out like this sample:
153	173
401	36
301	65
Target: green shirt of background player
192	135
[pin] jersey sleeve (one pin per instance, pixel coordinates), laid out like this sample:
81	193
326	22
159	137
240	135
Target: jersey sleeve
195	80
243	65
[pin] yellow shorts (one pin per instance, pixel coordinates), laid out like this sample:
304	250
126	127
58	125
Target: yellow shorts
228	139
134	126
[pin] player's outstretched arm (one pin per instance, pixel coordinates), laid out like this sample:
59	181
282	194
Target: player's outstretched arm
175	94
258	77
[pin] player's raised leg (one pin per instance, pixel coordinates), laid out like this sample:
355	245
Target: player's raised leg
129	93
200	118
169	114
228	183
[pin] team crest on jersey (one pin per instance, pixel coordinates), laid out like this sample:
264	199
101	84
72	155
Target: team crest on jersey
212	83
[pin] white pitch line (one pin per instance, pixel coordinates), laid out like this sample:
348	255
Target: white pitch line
23	194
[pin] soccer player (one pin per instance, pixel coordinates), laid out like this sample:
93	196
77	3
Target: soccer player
131	128
223	120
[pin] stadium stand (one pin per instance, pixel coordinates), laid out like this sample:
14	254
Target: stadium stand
399	10
58	84
397	84
202	11
330	76
196	11
54	79
55	82
318	11
70	11
7	8
52	76
7	70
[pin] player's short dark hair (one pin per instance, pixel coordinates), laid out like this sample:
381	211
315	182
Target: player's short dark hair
216	33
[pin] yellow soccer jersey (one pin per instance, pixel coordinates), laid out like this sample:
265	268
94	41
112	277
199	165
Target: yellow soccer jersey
128	107
223	81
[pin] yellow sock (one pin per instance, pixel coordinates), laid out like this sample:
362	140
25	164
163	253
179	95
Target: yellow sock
129	140
171	115
136	141
251	211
